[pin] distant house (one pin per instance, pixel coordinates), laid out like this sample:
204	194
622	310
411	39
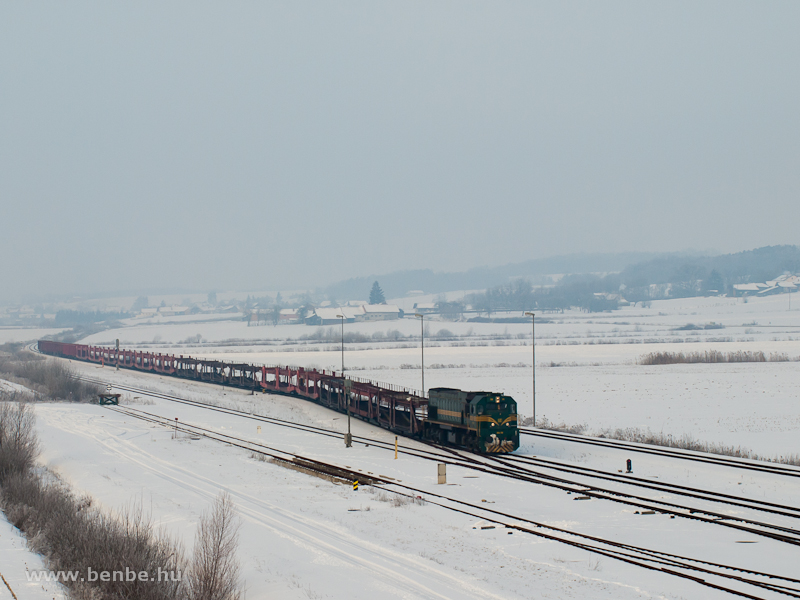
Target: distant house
425	308
747	288
353	314
784	283
331	316
171	311
380	312
289	316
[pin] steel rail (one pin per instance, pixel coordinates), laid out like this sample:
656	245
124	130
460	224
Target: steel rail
772	468
760	505
531	476
623	552
696	514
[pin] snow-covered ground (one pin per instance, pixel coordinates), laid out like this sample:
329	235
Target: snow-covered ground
587	371
305	537
308	538
20	567
24	334
743	319
11	388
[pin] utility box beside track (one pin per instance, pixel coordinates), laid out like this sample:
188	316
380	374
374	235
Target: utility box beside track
108	399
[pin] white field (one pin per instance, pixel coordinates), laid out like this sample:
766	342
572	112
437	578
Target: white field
585	364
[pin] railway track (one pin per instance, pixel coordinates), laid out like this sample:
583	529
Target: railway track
549	473
727	578
722	461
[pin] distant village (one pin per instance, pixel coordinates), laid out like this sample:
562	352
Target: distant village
268	311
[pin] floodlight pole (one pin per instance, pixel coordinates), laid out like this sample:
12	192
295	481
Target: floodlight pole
422	337
533	347
342	318
347	385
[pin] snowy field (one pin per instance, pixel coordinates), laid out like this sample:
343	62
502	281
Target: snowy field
24	334
587	371
751	319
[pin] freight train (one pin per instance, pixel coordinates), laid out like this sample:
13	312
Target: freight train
481	421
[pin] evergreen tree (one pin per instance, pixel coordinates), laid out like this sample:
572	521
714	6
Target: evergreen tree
714	282
140	303
376	295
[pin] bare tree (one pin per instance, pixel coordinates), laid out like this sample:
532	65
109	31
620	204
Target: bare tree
215	567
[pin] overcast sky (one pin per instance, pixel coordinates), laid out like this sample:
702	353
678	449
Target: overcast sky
271	145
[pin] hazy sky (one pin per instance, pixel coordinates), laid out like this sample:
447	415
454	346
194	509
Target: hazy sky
291	144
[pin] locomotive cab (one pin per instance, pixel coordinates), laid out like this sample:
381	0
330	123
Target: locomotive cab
494	418
483	421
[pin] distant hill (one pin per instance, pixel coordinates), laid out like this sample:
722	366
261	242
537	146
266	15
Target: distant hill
399	283
639	276
658	278
757	265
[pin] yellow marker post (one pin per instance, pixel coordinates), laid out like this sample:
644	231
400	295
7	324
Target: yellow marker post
355	485
395	447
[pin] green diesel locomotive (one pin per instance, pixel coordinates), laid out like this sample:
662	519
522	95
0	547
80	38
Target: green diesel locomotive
480	421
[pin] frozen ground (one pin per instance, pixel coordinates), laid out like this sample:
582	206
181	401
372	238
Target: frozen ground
305	537
15	562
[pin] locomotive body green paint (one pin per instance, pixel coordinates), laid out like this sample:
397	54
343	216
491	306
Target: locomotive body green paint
483	421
